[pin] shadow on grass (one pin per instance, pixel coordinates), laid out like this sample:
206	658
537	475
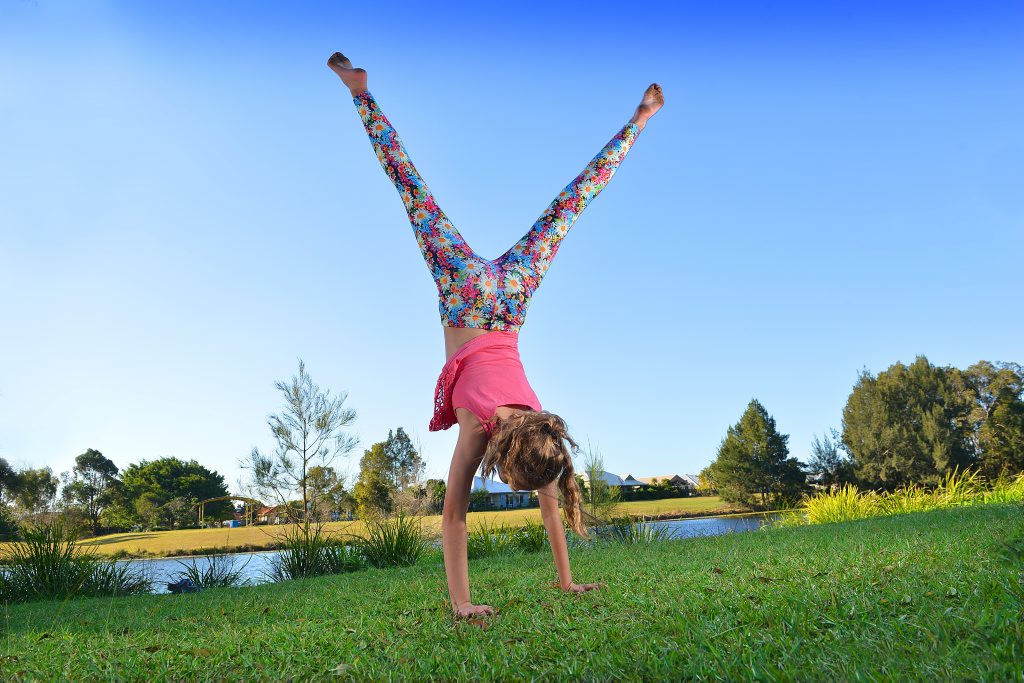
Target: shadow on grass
115	538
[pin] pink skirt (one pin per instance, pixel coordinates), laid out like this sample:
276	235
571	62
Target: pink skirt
483	374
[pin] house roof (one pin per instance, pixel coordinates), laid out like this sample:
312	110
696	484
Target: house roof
610	479
492	486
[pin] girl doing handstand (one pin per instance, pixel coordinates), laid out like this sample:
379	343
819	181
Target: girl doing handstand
483	303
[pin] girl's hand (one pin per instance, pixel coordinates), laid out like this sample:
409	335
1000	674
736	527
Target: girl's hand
470	610
582	587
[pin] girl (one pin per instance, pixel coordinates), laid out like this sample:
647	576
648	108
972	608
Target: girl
483	303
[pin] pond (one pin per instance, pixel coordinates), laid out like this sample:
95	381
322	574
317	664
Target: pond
257	565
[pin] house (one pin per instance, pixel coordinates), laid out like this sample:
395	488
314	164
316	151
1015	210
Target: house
269	515
500	494
615	480
679	481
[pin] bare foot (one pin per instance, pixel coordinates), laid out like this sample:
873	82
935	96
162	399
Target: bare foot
649	105
355	79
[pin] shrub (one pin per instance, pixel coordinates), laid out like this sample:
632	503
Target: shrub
630	531
307	551
394	541
531	537
49	564
221	570
490	539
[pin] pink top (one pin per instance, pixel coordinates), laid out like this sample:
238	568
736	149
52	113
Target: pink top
483	374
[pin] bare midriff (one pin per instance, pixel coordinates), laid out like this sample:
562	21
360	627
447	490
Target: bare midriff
455	337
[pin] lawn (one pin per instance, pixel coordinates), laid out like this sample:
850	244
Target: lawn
189	541
924	596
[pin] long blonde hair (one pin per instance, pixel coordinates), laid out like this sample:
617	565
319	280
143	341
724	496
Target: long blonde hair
533	448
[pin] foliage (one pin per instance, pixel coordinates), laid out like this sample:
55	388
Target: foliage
995	423
752	466
47	563
435	491
904	426
489	538
163	492
956	489
828	462
94	480
393	541
35	490
8	482
308	432
327	492
600	499
387	468
632	531
375	488
308	551
219	571
480	500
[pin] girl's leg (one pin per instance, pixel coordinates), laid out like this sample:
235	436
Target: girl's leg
442	246
538	246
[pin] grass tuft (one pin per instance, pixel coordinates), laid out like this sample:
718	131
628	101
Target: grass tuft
393	541
49	564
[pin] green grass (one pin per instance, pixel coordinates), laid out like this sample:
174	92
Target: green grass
923	596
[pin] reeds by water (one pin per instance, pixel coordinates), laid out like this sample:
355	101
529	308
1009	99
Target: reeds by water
957	488
48	563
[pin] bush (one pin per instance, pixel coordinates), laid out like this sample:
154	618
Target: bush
308	552
490	539
49	564
632	532
221	570
531	537
394	541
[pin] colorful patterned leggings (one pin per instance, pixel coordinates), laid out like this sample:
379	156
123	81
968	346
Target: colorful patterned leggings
474	291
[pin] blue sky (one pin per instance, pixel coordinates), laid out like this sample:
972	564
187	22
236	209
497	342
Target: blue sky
188	204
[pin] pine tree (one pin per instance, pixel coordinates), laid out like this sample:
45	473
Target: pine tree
753	466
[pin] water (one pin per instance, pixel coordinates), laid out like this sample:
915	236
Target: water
162	571
257	565
715	526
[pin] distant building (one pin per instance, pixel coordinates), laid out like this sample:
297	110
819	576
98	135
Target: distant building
500	494
679	481
615	480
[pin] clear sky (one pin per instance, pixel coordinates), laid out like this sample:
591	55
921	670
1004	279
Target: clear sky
189	204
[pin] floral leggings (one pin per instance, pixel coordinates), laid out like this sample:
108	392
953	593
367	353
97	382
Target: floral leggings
474	291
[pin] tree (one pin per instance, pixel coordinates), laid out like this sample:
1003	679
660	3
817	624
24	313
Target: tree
94	477
376	485
907	425
327	492
8	482
436	490
995	421
308	432
828	461
36	490
163	492
752	466
600	499
406	466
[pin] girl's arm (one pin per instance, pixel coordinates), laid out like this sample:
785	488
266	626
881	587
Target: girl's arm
469	450
556	536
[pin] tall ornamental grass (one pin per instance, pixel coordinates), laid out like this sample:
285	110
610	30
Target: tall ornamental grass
393	541
49	564
221	571
957	488
307	551
630	531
